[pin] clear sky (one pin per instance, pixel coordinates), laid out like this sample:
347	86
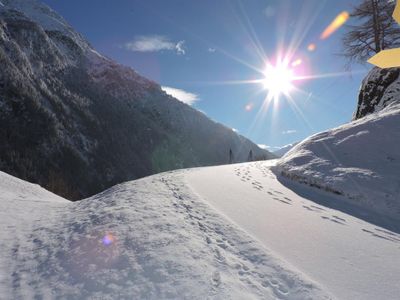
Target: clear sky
213	48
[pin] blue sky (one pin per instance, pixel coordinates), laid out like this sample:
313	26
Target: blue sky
203	47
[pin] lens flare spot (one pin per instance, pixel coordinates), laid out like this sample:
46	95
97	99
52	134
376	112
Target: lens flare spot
311	47
249	107
335	25
297	62
108	239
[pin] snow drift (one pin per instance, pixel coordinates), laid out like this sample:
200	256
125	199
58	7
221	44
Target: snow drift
359	160
147	239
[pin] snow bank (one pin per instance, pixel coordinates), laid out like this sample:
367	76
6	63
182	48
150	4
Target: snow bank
147	239
359	160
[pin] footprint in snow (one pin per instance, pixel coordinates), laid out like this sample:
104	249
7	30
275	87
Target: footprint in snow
216	278
338	218
281	200
381	234
308	208
317	207
336	221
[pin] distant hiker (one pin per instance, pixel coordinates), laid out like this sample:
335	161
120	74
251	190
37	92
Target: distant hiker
250	158
230	156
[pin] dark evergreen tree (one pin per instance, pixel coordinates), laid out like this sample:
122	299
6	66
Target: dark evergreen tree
250	157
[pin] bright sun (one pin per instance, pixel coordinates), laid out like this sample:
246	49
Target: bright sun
278	80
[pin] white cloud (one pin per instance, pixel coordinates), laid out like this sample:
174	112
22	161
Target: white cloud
212	50
154	43
180	47
269	148
290	131
262	146
235	130
181	95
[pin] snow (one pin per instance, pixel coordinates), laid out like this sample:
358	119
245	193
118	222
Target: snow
285	149
22	205
359	160
228	232
147	239
350	258
46	17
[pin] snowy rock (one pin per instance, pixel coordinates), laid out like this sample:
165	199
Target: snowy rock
379	89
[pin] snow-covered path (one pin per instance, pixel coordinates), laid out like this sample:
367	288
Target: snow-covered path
349	257
228	232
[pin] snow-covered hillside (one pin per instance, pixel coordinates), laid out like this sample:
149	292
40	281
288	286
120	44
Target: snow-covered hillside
229	232
148	239
359	160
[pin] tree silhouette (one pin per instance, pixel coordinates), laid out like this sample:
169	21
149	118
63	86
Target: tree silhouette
375	31
230	156
250	157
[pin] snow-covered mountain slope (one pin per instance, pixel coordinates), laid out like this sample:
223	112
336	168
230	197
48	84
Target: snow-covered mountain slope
285	149
359	160
229	232
65	107
45	16
152	238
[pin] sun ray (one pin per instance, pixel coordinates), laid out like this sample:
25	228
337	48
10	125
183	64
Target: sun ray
252	33
327	75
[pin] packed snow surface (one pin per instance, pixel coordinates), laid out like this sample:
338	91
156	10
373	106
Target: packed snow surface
228	232
359	160
350	258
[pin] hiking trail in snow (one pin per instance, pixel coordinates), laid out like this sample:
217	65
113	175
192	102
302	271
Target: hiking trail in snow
228	232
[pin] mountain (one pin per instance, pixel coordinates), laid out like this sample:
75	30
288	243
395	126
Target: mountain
285	149
360	160
77	122
226	232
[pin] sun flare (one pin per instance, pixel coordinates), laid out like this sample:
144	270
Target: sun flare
278	80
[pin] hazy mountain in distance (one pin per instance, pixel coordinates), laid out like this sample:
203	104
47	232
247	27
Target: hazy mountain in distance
285	149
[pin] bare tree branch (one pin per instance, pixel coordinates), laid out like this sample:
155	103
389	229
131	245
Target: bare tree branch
375	30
